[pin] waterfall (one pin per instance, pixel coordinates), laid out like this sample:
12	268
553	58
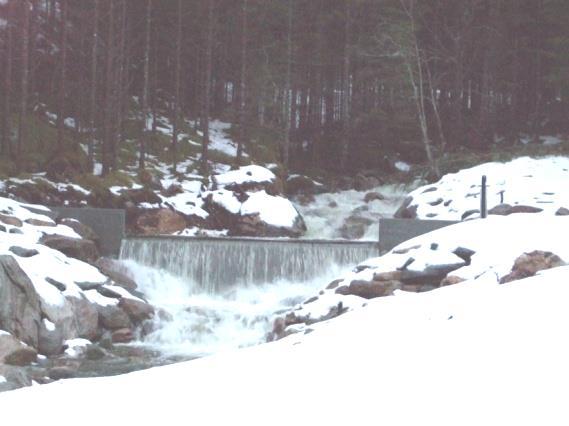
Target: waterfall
218	264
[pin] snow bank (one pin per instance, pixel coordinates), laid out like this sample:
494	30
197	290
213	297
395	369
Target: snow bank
539	183
466	354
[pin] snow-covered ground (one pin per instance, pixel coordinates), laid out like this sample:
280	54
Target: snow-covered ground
538	183
477	352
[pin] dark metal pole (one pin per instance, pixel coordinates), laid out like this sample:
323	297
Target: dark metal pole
483	205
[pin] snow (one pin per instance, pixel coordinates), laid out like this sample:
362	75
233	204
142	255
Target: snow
49	326
2	379
465	354
540	183
227	199
402	166
273	210
187	203
246	174
75	347
94	296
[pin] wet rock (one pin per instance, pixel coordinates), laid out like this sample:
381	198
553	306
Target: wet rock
332	204
372	196
20	312
113	318
136	310
123	335
84	250
528	264
160	221
117	272
406	210
95	352
23	252
10	220
61	372
355	227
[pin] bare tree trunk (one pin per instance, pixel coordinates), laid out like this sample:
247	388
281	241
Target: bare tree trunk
7	104
145	88
62	76
287	91
207	88
109	92
24	80
93	96
176	117
347	88
242	88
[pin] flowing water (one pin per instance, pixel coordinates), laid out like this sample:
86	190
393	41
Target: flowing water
221	294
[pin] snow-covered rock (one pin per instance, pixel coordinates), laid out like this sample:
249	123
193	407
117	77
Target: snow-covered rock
488	251
522	185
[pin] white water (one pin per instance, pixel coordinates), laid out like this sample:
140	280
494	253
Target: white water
202	324
325	216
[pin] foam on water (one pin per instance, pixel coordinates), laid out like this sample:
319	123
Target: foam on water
197	323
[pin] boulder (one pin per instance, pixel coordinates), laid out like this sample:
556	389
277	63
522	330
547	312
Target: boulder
61	372
302	185
528	264
355	227
113	318
251	178
506	209
117	272
406	210
364	183
123	335
136	310
81	229
50	340
20	311
372	196
23	252
14	352
369	289
160	221
562	211
85	319
139	196
10	220
38	222
84	250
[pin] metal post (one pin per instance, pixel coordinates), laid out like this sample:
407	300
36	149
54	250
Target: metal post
483	203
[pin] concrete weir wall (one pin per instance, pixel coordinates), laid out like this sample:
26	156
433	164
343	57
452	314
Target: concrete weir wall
393	232
108	224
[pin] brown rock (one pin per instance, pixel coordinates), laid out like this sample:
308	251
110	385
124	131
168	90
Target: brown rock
83	230
387	276
451	280
372	196
136	310
369	289
22	356
161	221
113	318
117	272
528	264
38	222
123	335
10	220
84	250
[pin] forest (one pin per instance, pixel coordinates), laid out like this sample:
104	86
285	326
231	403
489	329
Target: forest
338	85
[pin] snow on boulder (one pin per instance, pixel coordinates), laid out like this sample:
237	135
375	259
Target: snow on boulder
524	185
256	214
248	178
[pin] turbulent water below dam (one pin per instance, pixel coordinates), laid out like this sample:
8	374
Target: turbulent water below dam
220	294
